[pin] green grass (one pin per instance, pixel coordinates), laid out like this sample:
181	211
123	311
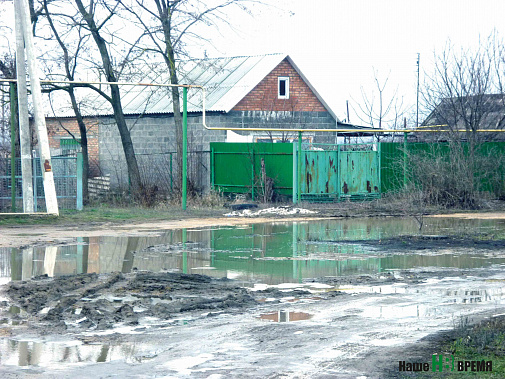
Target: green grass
483	341
114	214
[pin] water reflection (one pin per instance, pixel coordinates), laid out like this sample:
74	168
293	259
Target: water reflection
37	353
284	316
268	253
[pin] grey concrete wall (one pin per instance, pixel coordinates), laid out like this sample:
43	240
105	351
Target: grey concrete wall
154	137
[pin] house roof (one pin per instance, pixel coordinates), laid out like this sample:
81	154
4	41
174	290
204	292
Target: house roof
484	111
226	82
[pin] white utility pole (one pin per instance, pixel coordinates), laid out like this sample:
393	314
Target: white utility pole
40	121
417	103
24	126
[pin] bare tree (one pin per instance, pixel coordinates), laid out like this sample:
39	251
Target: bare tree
379	110
7	71
172	26
463	95
465	92
70	62
95	17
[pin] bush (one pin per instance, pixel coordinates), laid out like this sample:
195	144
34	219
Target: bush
456	175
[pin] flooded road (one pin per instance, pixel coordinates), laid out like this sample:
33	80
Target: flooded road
327	294
270	253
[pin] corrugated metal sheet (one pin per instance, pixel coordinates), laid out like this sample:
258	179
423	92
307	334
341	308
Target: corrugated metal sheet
226	81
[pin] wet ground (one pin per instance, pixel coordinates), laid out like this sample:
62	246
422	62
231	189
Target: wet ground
322	298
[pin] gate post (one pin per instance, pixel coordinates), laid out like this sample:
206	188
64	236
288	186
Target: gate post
295	174
13	102
184	146
34	171
405	160
252	173
212	168
79	164
299	171
338	173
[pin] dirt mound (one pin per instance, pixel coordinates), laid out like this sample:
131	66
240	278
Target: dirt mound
94	301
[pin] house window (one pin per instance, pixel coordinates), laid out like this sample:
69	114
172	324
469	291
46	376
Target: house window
283	87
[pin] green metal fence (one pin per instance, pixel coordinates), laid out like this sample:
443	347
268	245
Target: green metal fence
326	172
236	167
395	171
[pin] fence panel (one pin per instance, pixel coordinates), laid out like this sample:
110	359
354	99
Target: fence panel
65	179
392	168
359	173
236	167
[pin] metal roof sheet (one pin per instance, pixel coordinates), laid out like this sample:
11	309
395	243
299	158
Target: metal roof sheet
226	82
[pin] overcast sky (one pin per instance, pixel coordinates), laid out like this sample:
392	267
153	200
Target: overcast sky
337	43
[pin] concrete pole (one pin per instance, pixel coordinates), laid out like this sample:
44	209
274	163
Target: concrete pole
24	126
40	122
184	146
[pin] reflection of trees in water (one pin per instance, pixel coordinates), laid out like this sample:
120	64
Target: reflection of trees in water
28	353
264	252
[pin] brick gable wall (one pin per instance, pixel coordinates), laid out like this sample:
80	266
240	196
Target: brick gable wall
264	96
56	131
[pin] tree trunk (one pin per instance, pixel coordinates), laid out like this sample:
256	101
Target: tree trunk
165	14
131	160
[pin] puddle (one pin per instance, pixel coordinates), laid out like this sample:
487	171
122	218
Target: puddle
271	253
52	353
284	316
271	257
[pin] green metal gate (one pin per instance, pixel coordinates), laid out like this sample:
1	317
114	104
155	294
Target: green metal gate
347	172
67	180
319	173
359	173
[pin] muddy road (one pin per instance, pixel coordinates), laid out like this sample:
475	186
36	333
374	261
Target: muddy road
318	299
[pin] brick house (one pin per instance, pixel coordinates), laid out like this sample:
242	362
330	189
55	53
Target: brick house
259	91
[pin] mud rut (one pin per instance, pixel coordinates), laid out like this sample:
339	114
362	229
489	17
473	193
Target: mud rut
87	307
